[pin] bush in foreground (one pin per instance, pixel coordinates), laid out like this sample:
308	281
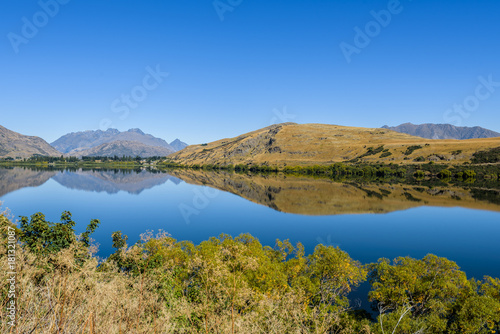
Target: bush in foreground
229	285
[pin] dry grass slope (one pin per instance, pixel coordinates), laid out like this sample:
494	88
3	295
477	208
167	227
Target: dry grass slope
309	144
13	144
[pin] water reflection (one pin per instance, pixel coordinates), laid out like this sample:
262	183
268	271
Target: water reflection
132	182
111	181
308	196
290	194
12	179
134	201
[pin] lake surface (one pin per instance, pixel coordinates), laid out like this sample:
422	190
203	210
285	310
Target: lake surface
368	220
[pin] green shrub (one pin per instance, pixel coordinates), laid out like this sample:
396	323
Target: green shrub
469	174
44	237
419	174
444	174
385	154
489	156
411	149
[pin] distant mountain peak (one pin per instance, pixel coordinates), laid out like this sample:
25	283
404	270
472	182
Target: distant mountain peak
178	145
136	130
443	131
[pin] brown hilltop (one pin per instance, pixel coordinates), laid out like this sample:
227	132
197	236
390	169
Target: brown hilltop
308	144
13	144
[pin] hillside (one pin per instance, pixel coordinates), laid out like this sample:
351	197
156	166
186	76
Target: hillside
13	144
308	144
443	131
123	148
79	141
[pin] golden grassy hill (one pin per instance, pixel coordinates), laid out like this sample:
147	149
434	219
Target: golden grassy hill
290	144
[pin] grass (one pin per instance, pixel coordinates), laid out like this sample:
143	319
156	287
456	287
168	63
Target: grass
321	144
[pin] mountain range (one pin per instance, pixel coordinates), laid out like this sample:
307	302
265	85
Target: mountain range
123	148
92	143
111	142
443	131
276	145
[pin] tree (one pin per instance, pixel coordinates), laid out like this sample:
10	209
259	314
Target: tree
333	275
45	238
434	294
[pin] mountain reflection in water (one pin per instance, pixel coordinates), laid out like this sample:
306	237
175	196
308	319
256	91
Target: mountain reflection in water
311	196
97	180
290	194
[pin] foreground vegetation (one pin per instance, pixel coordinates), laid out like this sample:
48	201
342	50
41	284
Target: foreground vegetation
229	285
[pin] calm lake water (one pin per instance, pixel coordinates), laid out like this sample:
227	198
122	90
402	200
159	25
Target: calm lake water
367	220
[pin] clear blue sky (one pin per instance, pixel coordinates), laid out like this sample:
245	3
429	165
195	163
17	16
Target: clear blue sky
238	74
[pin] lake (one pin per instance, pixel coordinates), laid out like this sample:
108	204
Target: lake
369	220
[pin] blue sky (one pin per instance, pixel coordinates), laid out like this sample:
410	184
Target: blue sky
238	65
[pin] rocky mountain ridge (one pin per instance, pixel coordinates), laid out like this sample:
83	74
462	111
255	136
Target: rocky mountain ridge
443	131
80	141
121	148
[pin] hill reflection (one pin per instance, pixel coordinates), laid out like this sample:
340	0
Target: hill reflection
309	196
291	194
12	179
